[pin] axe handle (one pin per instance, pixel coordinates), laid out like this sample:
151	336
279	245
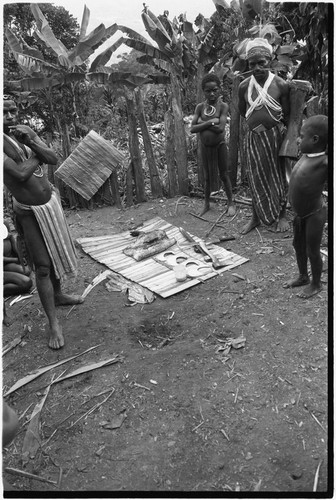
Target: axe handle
215	262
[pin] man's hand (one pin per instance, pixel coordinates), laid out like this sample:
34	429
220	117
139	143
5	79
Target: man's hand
23	134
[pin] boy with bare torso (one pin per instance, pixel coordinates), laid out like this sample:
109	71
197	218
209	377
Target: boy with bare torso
305	194
209	121
39	216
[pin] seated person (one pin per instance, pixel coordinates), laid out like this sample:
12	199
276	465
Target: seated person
15	276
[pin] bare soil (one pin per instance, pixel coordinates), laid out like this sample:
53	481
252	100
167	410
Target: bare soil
183	417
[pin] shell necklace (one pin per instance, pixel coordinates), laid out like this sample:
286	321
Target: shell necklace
209	111
38	172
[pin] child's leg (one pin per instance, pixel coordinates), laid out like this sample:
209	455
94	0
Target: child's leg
223	168
205	161
314	231
299	244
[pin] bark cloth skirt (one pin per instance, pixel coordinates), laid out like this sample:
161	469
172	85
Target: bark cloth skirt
266	177
55	232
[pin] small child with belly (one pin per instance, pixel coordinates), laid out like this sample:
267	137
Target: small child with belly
305	194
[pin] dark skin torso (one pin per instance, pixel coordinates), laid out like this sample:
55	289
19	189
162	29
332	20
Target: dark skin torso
278	89
214	134
31	190
306	184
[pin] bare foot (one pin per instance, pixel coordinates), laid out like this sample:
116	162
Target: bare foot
56	339
206	208
282	225
300	281
231	210
309	291
251	225
63	299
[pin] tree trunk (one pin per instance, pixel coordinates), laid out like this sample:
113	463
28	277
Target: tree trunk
180	137
129	185
135	149
170	153
153	171
234	133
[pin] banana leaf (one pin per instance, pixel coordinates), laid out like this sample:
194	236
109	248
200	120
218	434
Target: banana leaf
110	31
36	83
161	29
146	49
161	65
21	46
159	79
170	28
133	34
33	66
155	32
251	8
221	4
45	32
131	81
98	77
105	56
83	49
84	23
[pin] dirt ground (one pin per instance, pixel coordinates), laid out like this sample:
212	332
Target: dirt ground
184	416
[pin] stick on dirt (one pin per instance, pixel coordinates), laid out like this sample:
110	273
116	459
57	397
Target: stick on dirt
215	224
205	220
317	476
224	434
17	472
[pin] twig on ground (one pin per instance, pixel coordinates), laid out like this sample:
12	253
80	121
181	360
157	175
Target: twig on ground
197	426
23	414
228	380
317	475
141	386
91	410
17	472
261	240
32	376
224	434
60	477
225	290
298	399
206	220
236	396
215	223
49	438
317	421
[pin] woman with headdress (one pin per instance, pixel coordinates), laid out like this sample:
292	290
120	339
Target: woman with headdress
264	103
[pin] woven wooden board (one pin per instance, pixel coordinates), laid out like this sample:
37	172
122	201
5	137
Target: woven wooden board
89	165
156	273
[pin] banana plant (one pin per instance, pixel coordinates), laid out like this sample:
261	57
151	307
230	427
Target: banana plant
66	72
177	52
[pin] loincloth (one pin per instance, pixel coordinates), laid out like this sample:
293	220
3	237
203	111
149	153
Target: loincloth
54	229
323	207
266	176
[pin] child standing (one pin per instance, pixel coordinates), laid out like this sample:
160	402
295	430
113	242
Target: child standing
305	194
209	121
